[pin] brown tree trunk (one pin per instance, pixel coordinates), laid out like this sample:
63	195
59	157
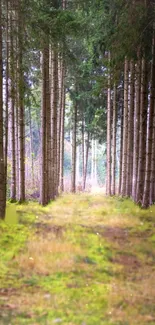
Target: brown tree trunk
31	148
54	104
146	196
73	173
121	150
62	136
12	111
6	93
136	128
142	132
86	161
130	131
21	112
83	151
114	141
2	163
108	179
125	129
43	187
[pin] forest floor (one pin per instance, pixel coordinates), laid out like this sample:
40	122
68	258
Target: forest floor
85	259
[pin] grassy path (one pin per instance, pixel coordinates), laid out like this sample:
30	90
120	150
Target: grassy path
85	259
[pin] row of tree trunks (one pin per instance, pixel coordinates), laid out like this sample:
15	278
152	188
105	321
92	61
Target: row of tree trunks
149	167
52	128
137	145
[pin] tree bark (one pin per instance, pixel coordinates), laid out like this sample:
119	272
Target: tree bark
6	94
62	135
43	187
125	129
21	112
130	131
136	128
12	112
121	150
86	161
114	140
147	200
2	163
108	181
142	133
73	174
54	104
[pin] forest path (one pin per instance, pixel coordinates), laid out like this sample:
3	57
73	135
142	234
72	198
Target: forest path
85	259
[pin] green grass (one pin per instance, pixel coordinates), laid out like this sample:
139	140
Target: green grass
84	259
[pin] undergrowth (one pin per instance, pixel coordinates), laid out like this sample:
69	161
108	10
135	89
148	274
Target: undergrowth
84	259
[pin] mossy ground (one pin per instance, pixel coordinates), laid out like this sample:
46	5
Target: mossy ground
85	259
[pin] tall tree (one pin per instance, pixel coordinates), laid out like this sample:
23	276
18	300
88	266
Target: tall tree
125	127
2	170
146	196
108	187
114	140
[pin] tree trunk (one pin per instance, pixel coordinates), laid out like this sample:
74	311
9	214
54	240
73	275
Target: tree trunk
62	135
43	187
121	150
146	196
83	150
2	166
12	113
54	124
73	175
136	128
6	94
86	161
31	148
114	140
108	181
130	131
142	133
125	129
21	113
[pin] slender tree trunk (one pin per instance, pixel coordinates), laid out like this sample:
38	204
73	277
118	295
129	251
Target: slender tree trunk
73	175
108	187
114	140
92	162
43	187
146	196
121	150
86	161
6	93
142	133
83	151
130	132
47	127
12	111
2	163
62	137
95	162
152	182
21	114
125	129
62	133
54	124
31	147
136	128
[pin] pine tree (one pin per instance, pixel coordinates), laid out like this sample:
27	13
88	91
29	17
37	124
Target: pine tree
2	163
